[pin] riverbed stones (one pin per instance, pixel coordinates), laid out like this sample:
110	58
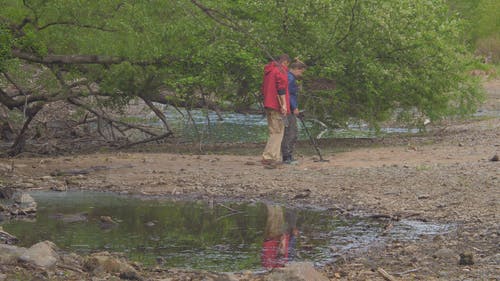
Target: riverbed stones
299	271
9	254
4	168
18	203
6	192
7	238
42	255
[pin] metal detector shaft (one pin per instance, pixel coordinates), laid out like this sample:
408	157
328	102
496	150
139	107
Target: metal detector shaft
311	139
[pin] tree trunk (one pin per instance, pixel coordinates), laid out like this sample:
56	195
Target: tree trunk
20	141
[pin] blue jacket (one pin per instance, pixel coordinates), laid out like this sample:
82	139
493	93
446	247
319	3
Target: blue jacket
293	89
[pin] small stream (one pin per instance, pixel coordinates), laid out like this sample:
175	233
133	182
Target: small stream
199	234
207	127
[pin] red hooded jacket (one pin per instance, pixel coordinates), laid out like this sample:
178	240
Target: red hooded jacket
275	81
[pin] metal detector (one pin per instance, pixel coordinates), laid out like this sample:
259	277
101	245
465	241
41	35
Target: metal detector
311	139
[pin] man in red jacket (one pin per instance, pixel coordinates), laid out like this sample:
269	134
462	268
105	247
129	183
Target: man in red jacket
277	105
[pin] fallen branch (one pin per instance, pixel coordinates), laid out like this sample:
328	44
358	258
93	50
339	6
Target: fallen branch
386	275
406	272
167	134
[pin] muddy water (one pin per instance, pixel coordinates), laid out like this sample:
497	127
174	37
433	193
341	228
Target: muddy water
199	234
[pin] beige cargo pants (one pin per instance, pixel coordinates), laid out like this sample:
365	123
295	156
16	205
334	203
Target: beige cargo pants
276	127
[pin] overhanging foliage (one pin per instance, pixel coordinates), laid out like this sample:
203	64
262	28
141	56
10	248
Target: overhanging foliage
368	59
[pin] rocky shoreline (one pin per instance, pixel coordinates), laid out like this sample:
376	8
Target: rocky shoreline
446	176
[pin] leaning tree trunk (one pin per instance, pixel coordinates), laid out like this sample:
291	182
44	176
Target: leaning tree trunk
20	141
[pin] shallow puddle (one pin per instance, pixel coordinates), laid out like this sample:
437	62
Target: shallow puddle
199	234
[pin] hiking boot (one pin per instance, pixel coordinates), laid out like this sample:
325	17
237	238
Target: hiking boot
271	164
290	161
267	161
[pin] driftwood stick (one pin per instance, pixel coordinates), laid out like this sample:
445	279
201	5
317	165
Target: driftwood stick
406	272
147	140
386	275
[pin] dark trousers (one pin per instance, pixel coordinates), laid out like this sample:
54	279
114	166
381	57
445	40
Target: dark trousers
290	137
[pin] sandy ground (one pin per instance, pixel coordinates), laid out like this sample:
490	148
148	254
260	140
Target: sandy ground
445	176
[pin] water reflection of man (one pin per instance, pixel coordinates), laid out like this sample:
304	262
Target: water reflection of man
280	237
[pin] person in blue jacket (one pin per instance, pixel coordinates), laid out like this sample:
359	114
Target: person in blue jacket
295	72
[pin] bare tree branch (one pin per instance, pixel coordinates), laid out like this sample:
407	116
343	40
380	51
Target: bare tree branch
351	23
109	119
158	112
75	24
86	59
67	59
167	134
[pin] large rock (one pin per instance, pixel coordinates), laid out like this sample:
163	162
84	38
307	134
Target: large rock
26	203
23	198
446	255
105	263
42	255
9	254
300	271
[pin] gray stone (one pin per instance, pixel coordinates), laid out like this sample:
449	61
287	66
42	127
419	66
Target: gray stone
300	271
130	275
41	255
9	254
6	192
23	198
466	258
446	254
5	167
23	204
59	187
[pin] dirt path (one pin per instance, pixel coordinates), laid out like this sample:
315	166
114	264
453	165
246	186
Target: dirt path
445	177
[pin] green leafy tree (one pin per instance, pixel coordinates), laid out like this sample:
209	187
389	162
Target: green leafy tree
368	59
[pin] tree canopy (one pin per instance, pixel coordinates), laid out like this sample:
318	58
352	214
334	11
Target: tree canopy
368	60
